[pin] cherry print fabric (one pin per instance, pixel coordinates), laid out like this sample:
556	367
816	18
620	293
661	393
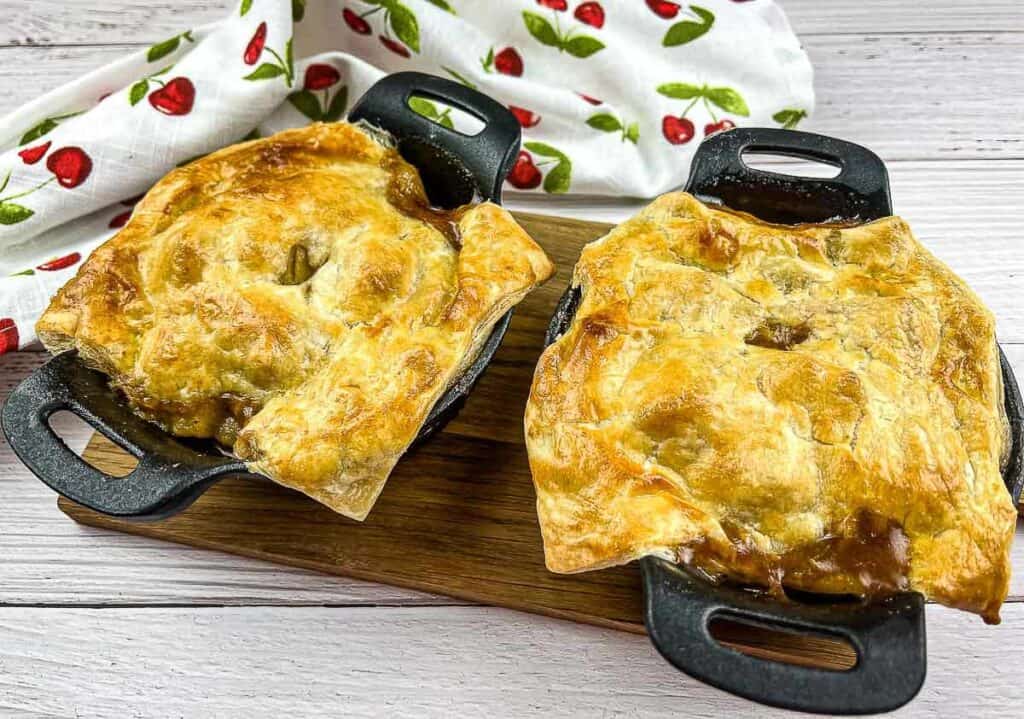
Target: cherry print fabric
613	96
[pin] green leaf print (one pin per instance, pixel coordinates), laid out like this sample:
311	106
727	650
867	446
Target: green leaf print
38	131
724	97
559	178
165	48
430	111
547	34
543	149
582	46
790	117
488	61
689	30
462	78
44	126
284	66
607	122
12	214
245	7
680	90
727	99
339	103
403	24
604	122
265	72
162	49
541	29
305	102
298	10
557	181
138	92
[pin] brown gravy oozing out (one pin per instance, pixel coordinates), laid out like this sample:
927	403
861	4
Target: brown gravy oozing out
406	194
866	555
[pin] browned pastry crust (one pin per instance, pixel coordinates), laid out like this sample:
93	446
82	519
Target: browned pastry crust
816	407
295	297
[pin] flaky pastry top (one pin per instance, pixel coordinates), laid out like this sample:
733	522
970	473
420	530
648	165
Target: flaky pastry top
297	299
815	407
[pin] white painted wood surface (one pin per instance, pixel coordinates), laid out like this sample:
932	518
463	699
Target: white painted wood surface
412	662
99	624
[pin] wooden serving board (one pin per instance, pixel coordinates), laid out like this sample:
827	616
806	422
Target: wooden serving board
457	516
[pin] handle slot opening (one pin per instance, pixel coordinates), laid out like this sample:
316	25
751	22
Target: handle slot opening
443	113
75	432
779	163
781	644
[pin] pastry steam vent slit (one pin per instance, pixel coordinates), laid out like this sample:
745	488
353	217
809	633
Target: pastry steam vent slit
298	268
272	295
772	334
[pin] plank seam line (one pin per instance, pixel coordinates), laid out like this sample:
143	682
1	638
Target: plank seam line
803	35
216	605
277	604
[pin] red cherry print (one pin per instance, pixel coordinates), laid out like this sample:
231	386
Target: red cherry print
590	13
255	46
394	46
664	8
524	174
174	98
120	220
588	98
355	22
320	76
32	155
713	127
525	117
60	263
677	130
8	335
70	165
559	5
508	62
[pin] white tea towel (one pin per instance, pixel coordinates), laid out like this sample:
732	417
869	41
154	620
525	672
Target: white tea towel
613	96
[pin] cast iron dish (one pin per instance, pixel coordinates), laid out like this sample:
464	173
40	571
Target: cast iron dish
173	472
888	636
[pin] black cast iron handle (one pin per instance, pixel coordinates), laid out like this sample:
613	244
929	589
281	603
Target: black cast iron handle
859	193
888	636
440	153
1013	470
169	476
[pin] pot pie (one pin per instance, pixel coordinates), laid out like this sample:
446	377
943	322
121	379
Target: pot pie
295	298
814	407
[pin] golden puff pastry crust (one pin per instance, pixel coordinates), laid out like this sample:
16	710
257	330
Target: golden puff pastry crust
295	298
813	407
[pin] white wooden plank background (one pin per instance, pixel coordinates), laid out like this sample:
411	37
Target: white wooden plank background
100	624
411	662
